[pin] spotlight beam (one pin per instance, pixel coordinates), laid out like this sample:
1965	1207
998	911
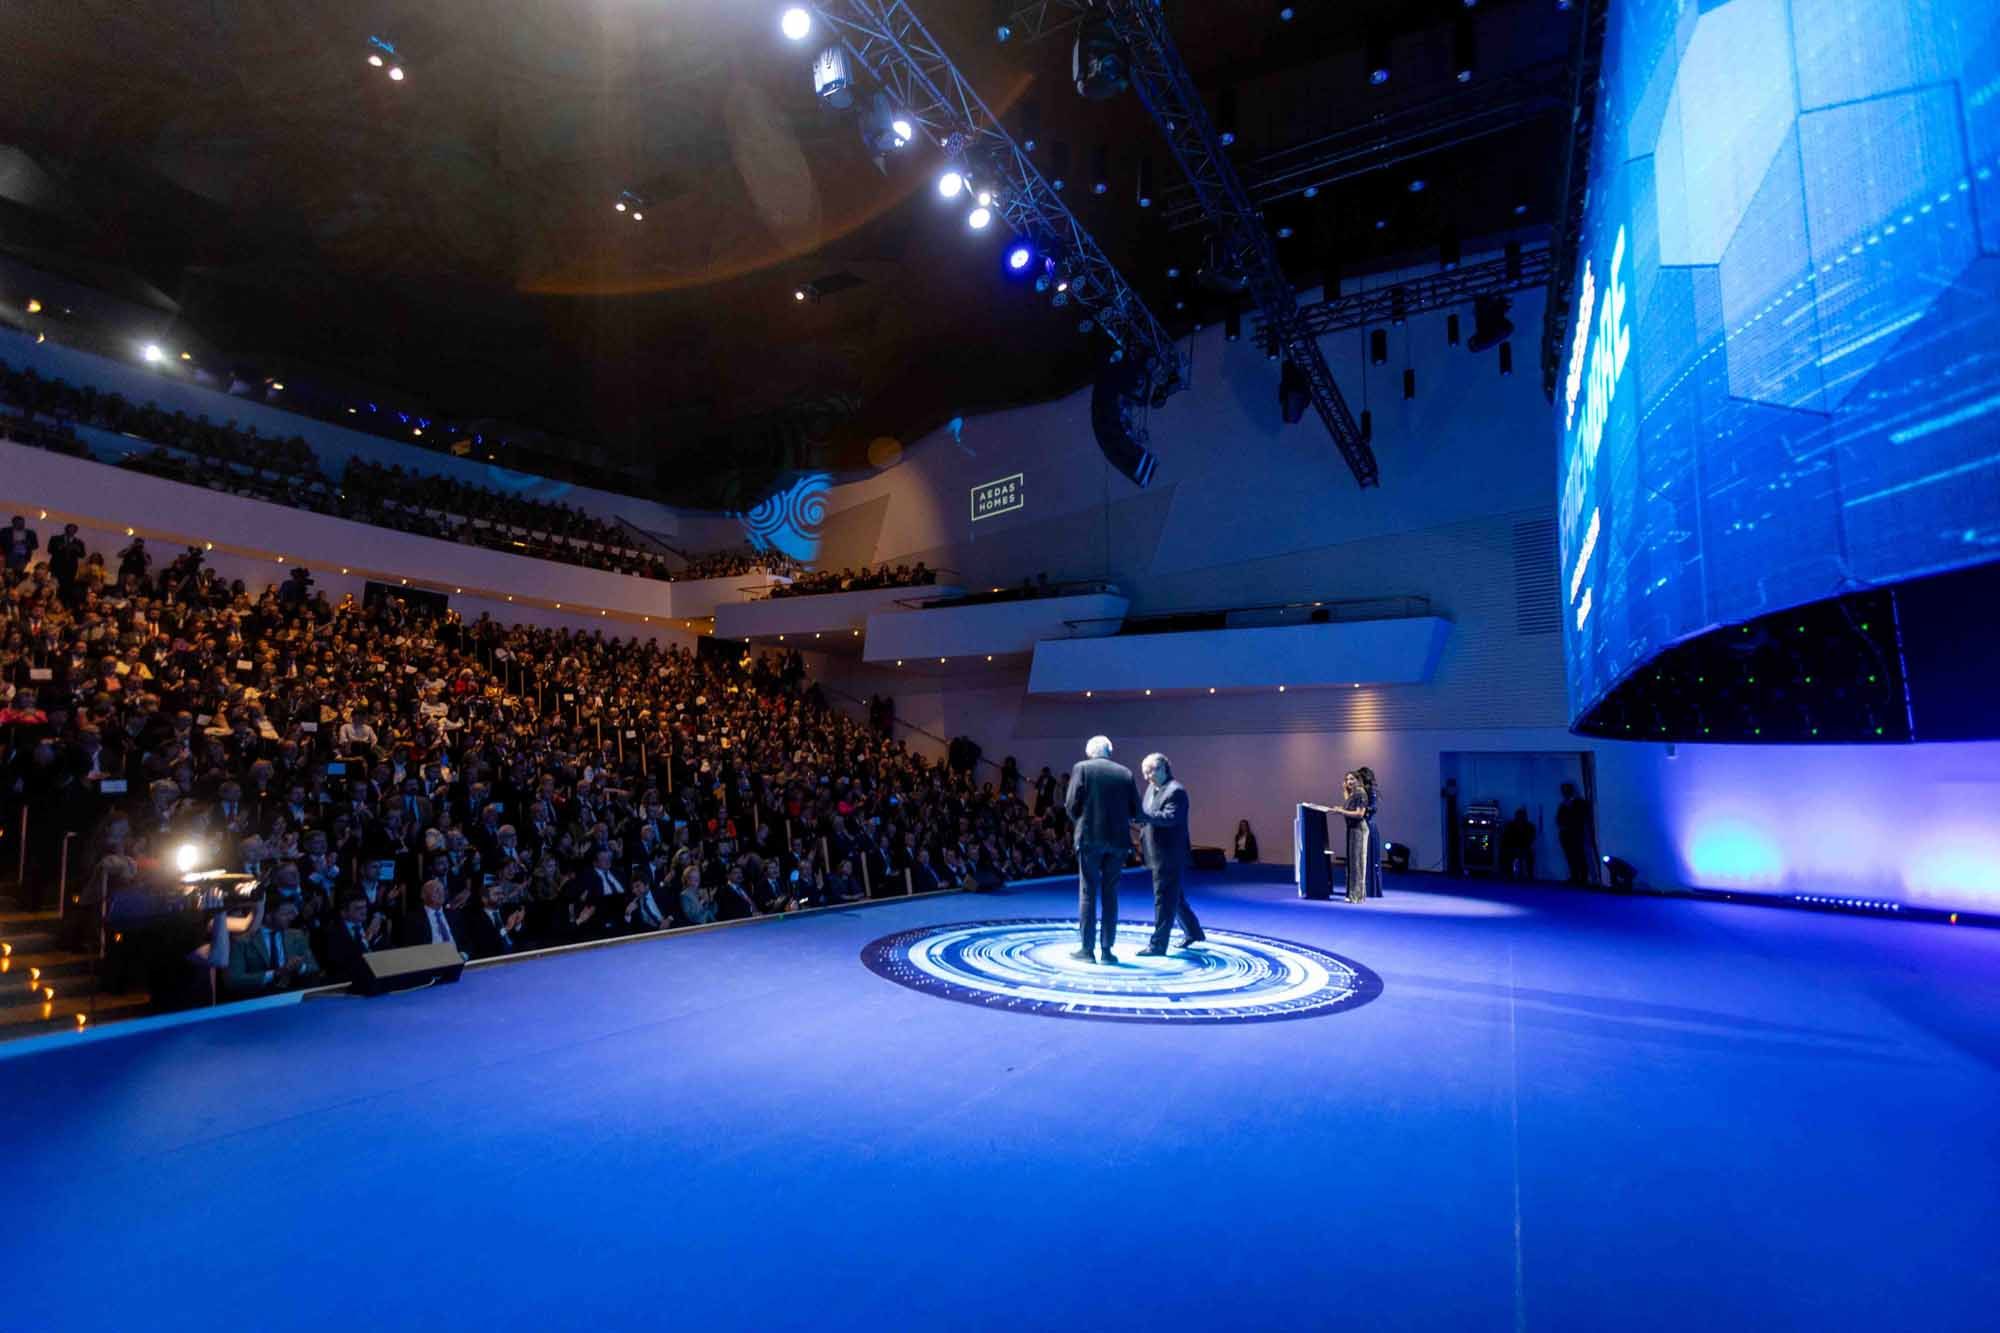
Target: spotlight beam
886	39
1161	79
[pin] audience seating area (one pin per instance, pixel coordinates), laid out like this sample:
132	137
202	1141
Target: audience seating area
392	779
816	582
286	471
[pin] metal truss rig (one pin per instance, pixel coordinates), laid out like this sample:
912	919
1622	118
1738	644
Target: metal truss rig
1161	79
889	42
1437	291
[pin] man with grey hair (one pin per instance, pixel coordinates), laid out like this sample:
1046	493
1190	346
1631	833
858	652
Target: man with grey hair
1103	804
1164	836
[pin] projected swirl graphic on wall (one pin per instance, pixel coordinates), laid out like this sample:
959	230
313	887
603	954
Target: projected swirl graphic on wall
1780	382
1026	967
790	519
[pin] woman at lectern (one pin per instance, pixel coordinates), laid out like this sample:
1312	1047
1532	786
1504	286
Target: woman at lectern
1364	854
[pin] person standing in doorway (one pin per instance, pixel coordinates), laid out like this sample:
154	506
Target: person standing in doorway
1576	831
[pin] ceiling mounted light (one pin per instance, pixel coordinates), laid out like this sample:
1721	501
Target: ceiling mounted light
796	23
375	60
396	73
153	354
620	205
34	306
1019	256
637	216
979	218
950	184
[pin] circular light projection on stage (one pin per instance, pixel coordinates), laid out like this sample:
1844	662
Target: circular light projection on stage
1025	966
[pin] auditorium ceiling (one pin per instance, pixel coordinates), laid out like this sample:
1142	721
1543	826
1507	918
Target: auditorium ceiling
452	237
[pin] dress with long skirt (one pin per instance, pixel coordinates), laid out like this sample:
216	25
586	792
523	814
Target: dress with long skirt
1364	854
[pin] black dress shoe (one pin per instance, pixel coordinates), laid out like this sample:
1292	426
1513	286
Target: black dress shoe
1108	958
1150	952
1083	955
1190	943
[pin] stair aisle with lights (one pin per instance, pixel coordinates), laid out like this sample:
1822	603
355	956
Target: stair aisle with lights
47	988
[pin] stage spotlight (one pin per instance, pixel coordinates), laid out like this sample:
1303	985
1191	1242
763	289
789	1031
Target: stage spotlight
1396	855
186	857
984	198
1097	61
1490	325
884	126
950	184
375	60
1378	58
799	294
34	306
637	216
1463	54
1145	182
1225	116
153	354
796	23
1019	256
831	81
396	73
979	217
1623	874
1417	184
620	205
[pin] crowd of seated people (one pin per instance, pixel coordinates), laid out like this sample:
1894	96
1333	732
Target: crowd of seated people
392	779
285	471
738	562
814	582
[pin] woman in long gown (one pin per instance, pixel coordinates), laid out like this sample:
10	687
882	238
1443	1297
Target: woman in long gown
1364	853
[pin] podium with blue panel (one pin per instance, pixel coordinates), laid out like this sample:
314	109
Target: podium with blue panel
1312	858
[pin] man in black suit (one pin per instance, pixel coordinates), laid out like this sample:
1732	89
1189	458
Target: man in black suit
352	936
1102	804
493	928
598	888
1164	837
432	922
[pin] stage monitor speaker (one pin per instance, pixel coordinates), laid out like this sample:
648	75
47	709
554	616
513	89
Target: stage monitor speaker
1208	858
1116	401
388	970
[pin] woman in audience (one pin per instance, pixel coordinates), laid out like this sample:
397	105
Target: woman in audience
1246	842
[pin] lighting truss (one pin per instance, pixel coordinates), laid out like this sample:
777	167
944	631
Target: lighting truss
1163	83
888	41
1032	22
1435	291
1416	129
1588	56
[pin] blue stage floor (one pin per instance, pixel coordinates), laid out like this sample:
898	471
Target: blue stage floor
1563	1111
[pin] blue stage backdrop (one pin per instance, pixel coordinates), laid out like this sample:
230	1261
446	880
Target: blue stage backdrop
1783	373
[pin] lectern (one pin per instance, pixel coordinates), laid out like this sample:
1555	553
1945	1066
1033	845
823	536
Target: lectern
1312	861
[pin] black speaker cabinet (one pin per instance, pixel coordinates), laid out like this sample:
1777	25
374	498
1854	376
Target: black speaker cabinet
1208	858
388	970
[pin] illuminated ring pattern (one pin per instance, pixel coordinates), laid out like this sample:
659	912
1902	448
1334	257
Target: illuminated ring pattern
785	519
1025	967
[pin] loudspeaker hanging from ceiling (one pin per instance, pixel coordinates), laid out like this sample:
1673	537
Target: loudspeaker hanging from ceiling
1118	403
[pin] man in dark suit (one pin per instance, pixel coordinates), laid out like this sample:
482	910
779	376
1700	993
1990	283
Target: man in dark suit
1102	804
493	928
352	936
432	922
1164	837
